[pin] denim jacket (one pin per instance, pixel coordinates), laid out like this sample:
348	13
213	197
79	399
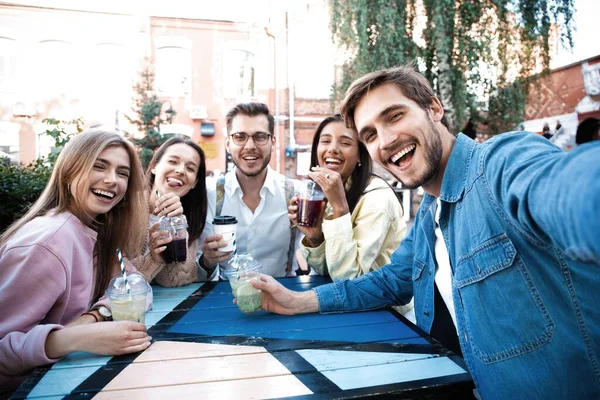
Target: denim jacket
521	221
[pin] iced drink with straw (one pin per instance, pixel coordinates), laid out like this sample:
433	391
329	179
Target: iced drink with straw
127	294
311	204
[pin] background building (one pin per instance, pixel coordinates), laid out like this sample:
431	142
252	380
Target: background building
70	59
567	94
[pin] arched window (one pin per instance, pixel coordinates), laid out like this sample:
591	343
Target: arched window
173	71
239	74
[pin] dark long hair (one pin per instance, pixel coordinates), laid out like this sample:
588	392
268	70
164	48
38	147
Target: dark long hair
361	175
195	201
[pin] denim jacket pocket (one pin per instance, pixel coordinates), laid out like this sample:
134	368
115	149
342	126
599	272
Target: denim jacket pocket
499	292
418	268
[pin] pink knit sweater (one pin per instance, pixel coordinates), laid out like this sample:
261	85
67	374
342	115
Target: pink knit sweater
46	281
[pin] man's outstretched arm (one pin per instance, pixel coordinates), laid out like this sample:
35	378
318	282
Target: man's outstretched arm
390	285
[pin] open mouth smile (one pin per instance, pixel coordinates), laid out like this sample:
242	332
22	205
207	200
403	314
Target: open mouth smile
404	155
332	162
104	195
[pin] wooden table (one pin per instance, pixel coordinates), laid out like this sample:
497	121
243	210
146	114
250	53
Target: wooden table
204	347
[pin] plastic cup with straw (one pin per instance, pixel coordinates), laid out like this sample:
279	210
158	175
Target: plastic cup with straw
127	294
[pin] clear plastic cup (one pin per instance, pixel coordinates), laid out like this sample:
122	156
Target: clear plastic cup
311	203
128	306
176	227
241	270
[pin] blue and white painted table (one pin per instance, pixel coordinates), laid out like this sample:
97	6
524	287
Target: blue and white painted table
204	347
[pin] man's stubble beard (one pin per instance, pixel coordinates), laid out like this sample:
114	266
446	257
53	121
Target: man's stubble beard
432	155
262	168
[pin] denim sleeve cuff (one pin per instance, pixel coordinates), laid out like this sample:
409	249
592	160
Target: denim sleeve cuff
329	298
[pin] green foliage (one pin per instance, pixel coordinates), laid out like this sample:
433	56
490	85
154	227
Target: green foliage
147	108
22	185
468	49
506	107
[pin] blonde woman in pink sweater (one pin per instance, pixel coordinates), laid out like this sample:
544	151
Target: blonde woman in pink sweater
57	260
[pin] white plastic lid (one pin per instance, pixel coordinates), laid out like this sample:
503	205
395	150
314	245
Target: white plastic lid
241	263
136	281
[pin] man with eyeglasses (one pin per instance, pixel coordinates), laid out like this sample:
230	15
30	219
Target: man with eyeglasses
255	194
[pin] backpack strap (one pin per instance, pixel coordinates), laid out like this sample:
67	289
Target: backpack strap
289	193
220	195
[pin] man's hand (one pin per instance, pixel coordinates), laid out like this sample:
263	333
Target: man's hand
210	250
280	300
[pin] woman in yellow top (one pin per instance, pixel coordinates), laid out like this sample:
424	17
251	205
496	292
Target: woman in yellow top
362	224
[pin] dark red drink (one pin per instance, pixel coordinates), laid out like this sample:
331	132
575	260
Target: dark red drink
176	251
309	211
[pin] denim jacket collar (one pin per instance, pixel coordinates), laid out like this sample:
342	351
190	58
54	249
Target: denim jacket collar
455	176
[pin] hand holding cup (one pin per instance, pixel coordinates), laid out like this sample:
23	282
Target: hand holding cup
313	234
212	254
333	187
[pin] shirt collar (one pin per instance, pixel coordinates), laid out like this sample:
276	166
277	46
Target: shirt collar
455	175
269	181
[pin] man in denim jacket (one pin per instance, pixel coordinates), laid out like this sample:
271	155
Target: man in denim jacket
516	251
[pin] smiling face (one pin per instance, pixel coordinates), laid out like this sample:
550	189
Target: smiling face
177	170
250	159
338	149
106	184
400	135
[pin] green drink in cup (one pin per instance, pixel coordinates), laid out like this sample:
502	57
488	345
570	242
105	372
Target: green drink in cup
128	304
240	271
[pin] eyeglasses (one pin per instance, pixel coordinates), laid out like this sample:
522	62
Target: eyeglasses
240	138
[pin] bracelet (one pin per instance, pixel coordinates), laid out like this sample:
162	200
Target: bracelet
209	270
92	314
300	271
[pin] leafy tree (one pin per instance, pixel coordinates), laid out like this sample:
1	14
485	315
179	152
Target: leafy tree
467	49
21	186
147	108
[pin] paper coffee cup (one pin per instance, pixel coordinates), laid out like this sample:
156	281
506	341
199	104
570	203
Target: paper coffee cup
226	225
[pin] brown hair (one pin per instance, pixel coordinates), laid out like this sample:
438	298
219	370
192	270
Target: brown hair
124	226
413	85
251	110
194	202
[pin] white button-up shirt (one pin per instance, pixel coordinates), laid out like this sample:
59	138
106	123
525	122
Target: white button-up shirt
264	233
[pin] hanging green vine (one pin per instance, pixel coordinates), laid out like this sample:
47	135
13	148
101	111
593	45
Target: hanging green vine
472	49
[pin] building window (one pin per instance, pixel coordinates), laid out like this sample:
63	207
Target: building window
173	71
239	74
8	64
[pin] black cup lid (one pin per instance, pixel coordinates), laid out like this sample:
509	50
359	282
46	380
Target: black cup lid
224	220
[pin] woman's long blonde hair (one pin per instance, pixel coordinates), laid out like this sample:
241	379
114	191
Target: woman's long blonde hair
124	226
